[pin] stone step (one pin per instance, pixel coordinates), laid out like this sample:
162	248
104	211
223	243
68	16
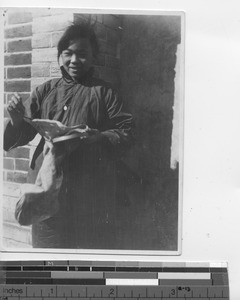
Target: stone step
17	233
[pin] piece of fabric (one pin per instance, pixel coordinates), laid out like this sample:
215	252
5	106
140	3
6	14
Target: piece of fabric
88	204
39	201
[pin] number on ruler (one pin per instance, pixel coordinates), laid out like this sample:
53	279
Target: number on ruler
111	292
173	292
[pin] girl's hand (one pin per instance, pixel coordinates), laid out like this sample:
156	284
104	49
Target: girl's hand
93	136
16	110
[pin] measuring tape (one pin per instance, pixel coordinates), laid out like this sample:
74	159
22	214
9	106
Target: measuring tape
71	280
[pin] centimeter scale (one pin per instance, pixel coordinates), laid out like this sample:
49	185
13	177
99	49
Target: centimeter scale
85	280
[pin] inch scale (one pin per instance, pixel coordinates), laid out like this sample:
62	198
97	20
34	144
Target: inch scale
71	280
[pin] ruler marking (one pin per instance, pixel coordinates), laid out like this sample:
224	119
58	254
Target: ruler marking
33	291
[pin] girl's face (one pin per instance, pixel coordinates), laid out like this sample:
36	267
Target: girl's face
77	59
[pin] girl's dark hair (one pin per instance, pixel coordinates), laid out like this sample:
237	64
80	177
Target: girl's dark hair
76	31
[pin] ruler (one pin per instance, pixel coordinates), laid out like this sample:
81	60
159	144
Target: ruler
71	280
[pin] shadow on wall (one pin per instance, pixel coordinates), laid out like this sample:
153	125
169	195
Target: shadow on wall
148	59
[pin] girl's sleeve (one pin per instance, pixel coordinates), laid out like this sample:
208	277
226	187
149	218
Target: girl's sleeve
120	123
14	137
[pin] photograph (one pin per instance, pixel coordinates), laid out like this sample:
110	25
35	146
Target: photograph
93	130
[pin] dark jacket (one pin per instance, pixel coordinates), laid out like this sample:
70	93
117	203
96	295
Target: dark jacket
87	217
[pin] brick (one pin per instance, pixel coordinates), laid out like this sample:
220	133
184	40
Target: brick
33	143
19	46
19	72
99	60
14	232
101	31
16	177
44	55
22	164
112	62
38	81
17	86
8	163
52	23
5	98
112	21
11	189
42	40
21	152
17	59
5	47
56	37
8	243
55	70
19	31
24	96
5	73
9	204
5	113
8	215
41	70
19	17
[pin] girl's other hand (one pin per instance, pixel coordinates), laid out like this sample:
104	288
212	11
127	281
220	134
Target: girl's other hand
93	136
16	110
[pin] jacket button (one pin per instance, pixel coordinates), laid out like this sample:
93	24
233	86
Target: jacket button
65	107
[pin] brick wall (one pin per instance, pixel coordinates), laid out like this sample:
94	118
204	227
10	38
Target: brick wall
108	29
17	75
31	37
